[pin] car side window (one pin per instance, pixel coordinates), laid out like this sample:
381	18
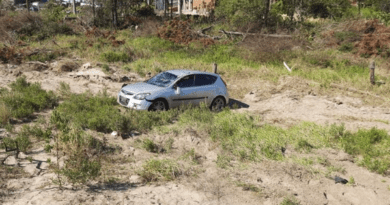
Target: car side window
187	81
204	79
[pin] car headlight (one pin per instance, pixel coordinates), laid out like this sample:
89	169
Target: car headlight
141	96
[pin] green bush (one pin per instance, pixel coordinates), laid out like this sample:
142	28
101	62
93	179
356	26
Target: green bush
346	47
100	112
115	57
154	170
26	98
150	146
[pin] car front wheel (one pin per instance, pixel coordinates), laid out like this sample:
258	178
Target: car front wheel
218	104
158	105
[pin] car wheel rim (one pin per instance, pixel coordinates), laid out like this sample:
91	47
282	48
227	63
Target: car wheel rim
218	104
159	106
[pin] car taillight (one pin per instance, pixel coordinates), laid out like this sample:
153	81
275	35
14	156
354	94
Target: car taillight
224	82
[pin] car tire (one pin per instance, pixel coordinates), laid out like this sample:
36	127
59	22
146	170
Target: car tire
158	105
218	104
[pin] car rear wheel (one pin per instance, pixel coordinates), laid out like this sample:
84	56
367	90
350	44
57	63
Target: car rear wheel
158	105
218	104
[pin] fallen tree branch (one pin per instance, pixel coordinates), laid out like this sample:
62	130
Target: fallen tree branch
205	29
254	34
201	34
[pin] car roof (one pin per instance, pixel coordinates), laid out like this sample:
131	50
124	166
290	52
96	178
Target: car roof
182	72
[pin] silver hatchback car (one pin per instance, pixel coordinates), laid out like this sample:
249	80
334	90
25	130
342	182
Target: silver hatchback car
170	89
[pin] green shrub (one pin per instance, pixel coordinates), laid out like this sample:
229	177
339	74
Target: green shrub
150	146
115	57
346	47
80	168
43	57
99	112
105	68
26	98
154	170
22	143
290	201
35	131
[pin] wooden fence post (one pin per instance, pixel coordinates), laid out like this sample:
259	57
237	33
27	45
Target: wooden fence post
215	68
372	72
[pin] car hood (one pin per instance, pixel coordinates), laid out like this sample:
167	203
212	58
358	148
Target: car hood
142	87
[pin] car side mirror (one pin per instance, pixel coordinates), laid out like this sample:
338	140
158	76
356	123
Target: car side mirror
177	92
124	85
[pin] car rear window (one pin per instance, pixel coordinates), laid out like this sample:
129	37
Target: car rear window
204	79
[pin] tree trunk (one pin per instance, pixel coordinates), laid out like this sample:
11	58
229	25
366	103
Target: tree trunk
114	14
28	5
267	7
74	6
93	11
179	8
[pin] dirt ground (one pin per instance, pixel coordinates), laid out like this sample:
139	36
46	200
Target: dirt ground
282	104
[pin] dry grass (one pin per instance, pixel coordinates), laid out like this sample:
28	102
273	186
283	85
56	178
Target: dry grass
5	114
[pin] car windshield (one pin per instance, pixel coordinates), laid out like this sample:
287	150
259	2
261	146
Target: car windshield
162	79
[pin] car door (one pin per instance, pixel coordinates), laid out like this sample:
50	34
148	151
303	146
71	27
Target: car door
205	85
188	92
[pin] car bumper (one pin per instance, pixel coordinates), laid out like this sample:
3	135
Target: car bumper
130	102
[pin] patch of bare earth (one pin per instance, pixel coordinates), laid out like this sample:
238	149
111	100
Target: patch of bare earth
202	182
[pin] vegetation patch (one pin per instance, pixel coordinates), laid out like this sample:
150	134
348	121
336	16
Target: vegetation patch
24	98
155	169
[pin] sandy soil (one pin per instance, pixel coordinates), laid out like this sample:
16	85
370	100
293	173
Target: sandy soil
284	104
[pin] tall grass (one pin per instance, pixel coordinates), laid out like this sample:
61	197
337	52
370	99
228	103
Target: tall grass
244	137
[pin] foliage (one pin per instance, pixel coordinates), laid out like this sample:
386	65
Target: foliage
100	112
26	98
150	146
155	169
80	167
115	57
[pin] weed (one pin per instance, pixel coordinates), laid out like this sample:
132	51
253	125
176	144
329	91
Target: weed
64	90
150	146
48	148
302	144
248	187
351	181
169	144
223	161
384	181
155	169
105	68
30	159
192	156
332	169
48	160
290	201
